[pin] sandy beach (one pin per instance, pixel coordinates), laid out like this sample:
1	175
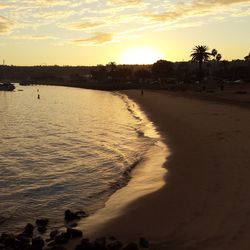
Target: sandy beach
204	203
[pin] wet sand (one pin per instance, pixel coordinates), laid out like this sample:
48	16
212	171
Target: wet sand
205	202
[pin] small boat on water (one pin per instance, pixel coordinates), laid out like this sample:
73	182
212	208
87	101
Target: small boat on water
7	87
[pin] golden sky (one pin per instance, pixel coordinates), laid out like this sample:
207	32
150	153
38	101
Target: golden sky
91	32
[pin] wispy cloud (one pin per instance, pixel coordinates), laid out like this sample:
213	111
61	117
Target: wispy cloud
33	37
97	39
5	25
82	25
52	2
104	18
192	9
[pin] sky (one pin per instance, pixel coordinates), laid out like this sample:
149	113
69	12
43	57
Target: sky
91	32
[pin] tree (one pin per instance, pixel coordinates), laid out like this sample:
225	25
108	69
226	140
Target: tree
111	66
99	73
247	58
218	57
200	54
163	68
214	52
142	74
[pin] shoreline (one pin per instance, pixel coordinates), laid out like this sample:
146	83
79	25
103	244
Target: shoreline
142	181
204	204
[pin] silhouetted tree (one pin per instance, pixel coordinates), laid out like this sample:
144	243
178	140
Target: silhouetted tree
163	68
123	73
200	54
111	68
182	72
214	52
218	57
247	58
142	74
99	73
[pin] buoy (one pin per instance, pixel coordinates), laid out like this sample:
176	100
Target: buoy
38	97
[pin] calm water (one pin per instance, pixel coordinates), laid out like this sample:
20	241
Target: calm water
71	149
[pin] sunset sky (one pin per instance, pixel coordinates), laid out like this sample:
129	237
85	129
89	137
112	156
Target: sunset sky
91	32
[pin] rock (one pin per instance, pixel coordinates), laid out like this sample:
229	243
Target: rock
28	230
80	247
73	224
69	216
53	234
114	245
112	238
62	238
8	240
43	222
23	238
100	243
144	243
131	246
81	214
74	233
37	243
48	240
85	245
42	229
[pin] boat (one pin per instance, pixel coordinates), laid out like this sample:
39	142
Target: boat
7	87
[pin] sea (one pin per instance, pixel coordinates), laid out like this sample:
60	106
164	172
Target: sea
66	148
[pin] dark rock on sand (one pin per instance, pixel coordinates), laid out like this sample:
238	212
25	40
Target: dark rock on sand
69	215
8	239
42	222
73	224
37	243
131	246
53	234
28	230
85	245
42	229
100	243
81	214
62	238
114	245
144	243
74	233
23	238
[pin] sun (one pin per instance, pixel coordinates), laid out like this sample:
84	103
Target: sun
141	55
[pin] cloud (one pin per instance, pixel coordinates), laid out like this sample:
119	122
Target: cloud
54	14
5	25
192	8
81	25
33	37
241	13
97	39
127	2
4	6
52	2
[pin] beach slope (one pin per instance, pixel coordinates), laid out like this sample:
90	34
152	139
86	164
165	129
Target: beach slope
205	202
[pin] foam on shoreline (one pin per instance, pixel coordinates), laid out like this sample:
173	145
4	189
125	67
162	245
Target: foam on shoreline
147	177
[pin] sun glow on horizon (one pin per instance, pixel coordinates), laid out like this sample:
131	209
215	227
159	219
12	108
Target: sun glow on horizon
141	55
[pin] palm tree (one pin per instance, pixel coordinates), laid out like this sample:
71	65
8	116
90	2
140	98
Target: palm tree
200	54
214	52
218	57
